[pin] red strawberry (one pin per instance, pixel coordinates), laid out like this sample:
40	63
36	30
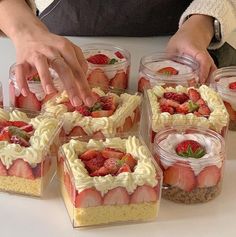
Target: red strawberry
232	85
5	135
22	169
94	164
107	103
69	187
166	108
201	102
232	113
116	196
127	125
204	110
179	97
124	168
181	176
168	71
18	123
101	113
208	177
112	165
42	168
143	83
98	59
98	135
129	160
88	198
103	171
190	148
120	81
168	102
3	170
89	154
137	116
194	95
28	128
84	110
119	54
144	193
187	107
69	106
112	153
77	131
98	78
30	102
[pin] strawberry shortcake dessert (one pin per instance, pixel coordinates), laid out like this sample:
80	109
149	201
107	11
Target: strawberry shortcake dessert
108	65
192	161
167	70
109	181
26	159
170	106
112	113
36	96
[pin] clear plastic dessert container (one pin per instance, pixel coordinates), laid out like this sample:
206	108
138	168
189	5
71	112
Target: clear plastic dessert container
223	80
167	69
111	181
37	97
192	160
108	65
116	111
28	155
167	107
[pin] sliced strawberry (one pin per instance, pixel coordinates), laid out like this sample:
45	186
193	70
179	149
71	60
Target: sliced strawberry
194	95
77	131
28	128
94	164
120	80
143	83
88	198
129	160
42	168
232	85
98	135
116	196
179	97
30	102
18	123
183	108
204	110
112	165
119	54
69	106
168	71
112	153
208	177
137	116
180	175
201	102
128	124
22	169
103	171
107	103
168	102
89	154
3	170
102	113
69	187
98	59
144	193
232	113
84	110
5	135
124	168
168	109
98	78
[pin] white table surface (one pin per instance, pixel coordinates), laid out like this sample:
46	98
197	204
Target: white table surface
26	217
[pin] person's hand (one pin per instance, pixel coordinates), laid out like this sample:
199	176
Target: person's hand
42	50
193	38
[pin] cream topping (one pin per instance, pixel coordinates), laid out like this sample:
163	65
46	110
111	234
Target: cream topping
144	172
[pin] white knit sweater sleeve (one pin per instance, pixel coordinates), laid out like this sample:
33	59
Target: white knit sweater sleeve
223	10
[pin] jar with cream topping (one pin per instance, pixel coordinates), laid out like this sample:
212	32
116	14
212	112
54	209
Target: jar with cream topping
108	65
168	69
223	80
37	96
192	160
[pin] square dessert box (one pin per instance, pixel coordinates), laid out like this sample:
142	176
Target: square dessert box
104	194
108	65
192	160
168	69
28	151
163	108
116	111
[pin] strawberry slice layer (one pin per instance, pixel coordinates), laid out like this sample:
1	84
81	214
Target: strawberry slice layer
144	193
116	196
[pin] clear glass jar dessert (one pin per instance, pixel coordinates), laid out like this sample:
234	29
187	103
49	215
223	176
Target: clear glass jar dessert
192	160
108	65
104	182
37	97
168	69
223	80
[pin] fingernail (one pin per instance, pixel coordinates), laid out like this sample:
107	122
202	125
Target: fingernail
89	101
24	92
76	101
49	89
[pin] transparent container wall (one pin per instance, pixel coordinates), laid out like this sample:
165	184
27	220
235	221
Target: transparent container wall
1	96
24	174
220	81
116	205
167	69
113	71
187	179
